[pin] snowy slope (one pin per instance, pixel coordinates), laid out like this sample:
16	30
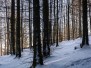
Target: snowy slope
9	61
63	56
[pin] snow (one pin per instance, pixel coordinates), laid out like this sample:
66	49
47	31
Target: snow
63	56
9	61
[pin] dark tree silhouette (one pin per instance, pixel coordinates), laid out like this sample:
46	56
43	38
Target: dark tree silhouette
85	24
29	26
80	34
68	21
12	41
57	25
46	39
21	26
36	34
18	48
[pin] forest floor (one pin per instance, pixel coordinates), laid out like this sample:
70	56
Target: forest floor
67	55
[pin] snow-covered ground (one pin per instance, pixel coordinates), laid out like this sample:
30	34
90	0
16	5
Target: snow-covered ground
9	61
63	56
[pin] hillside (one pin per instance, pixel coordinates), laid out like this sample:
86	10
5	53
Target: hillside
63	56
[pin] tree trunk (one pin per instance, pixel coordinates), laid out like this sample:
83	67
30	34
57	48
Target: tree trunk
12	41
36	34
21	24
68	22
57	26
46	46
30	33
85	24
18	49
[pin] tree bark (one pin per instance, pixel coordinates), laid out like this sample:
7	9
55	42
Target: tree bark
85	24
18	48
12	41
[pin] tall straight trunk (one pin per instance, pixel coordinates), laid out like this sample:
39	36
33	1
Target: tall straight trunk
36	34
68	22
73	22
21	24
54	25
80	18
60	29
51	31
6	29
85	24
46	46
90	16
5	50
64	28
57	26
8	32
76	34
8	39
60	35
87	39
12	43
30	33
18	49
